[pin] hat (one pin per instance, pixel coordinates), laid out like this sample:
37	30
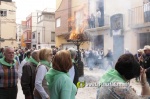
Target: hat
146	47
140	51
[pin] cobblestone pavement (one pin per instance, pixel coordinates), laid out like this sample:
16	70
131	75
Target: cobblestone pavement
89	92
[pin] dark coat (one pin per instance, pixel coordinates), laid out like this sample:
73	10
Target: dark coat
28	79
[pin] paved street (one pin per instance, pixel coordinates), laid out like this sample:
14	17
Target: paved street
90	77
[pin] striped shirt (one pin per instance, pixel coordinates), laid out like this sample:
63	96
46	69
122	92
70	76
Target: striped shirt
8	76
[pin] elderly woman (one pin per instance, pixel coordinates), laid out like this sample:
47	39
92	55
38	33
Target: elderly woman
41	89
115	83
59	82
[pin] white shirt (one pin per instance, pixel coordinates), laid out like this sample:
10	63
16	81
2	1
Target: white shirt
20	68
72	73
147	7
41	72
98	14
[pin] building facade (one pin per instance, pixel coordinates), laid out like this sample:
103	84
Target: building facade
45	32
8	24
117	25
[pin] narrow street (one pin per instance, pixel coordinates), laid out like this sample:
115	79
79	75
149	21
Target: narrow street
90	77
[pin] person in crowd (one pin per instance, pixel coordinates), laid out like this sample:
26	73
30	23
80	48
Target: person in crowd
83	57
86	57
126	51
59	82
8	75
92	21
139	58
17	57
98	15
91	60
118	79
146	61
100	59
28	54
25	52
73	71
41	88
109	57
89	21
20	55
28	75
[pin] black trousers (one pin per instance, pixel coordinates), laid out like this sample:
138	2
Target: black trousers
8	93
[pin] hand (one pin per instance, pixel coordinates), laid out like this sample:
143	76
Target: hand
143	75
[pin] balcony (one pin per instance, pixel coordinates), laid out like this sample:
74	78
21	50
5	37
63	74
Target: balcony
105	24
140	16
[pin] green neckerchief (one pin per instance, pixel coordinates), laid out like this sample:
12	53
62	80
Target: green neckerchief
33	61
27	59
112	76
2	61
46	63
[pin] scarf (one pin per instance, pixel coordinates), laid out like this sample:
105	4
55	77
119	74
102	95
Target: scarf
27	59
33	61
44	62
112	76
2	61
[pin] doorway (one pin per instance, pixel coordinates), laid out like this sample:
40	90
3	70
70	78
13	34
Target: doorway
144	39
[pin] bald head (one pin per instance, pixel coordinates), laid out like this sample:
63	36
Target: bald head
9	53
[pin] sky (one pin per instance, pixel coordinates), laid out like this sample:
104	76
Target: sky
25	7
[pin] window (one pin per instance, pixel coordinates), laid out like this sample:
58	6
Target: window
33	36
52	36
3	13
58	22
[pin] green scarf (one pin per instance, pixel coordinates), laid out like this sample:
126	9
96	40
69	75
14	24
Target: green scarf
32	61
27	59
112	76
46	63
2	61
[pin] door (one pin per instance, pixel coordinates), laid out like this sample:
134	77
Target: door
144	39
118	46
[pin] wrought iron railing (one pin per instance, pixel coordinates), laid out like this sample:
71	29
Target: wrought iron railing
139	15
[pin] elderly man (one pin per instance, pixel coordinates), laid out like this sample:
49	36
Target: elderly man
73	72
28	75
8	75
146	61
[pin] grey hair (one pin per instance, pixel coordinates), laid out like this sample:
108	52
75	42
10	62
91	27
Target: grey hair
72	52
6	48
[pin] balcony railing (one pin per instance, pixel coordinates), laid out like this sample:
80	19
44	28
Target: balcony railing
139	16
103	22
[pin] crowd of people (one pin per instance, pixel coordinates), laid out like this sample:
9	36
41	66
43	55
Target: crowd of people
53	74
44	74
127	67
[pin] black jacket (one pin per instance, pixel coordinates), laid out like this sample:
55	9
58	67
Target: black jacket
28	78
